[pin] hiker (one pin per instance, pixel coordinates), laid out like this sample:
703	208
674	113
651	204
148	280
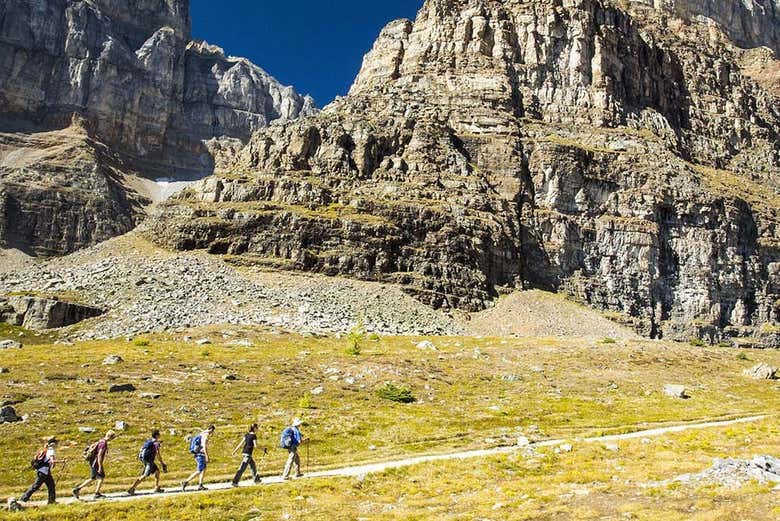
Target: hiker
95	455
150	451
248	443
44	462
291	440
199	447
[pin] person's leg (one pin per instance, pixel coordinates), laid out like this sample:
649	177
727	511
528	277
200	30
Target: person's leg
297	463
39	480
241	470
99	485
78	488
50	486
288	465
253	467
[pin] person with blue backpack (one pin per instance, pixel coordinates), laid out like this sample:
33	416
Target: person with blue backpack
290	440
199	448
150	452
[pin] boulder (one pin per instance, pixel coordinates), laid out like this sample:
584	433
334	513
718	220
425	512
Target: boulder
120	426
44	313
10	344
762	372
113	360
675	391
87	430
8	415
121	388
4	370
150	396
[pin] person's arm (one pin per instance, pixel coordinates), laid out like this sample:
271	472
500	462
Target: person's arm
101	457
160	457
240	444
206	449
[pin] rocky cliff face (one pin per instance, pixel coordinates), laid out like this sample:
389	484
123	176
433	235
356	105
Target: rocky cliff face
618	152
137	83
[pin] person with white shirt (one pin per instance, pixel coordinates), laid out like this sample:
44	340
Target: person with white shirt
199	447
43	463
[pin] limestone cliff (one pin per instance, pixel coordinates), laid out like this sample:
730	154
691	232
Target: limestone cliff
129	71
617	152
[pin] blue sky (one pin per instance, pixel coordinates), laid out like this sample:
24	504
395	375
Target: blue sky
315	45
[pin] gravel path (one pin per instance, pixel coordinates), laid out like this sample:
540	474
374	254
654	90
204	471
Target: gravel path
373	468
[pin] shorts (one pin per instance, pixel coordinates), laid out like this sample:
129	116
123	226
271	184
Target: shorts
94	474
200	461
149	468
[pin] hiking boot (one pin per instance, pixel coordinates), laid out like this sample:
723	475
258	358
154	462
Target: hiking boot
131	492
76	492
14	506
159	490
233	484
201	487
183	486
258	480
99	496
299	475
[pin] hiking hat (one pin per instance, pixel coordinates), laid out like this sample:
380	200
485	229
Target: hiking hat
52	441
110	435
297	422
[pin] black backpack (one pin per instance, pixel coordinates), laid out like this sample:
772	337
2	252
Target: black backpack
39	461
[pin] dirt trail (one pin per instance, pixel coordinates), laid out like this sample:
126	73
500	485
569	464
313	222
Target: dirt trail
372	468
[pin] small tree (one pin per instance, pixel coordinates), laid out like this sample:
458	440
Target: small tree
355	338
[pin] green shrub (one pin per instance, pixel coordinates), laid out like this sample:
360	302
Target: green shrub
742	356
696	342
607	340
305	402
141	342
395	394
355	337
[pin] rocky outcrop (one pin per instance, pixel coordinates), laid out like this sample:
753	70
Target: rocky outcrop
617	153
130	73
43	313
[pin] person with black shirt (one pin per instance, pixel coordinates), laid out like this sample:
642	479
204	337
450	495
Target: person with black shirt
248	443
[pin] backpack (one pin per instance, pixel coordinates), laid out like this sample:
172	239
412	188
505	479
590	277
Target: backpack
147	452
286	441
90	452
39	460
195	444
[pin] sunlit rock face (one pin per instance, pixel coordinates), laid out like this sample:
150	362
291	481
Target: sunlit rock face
623	153
129	72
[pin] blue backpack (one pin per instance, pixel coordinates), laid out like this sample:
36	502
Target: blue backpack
286	441
195	443
148	451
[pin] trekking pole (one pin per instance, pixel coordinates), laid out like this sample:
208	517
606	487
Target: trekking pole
307	456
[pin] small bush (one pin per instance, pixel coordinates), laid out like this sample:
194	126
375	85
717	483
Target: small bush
141	342
395	394
205	353
374	337
355	337
305	402
607	340
725	343
743	357
696	342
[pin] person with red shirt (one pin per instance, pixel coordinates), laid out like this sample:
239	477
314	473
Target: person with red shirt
97	458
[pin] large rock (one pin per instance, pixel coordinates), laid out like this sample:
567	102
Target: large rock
10	344
762	372
578	146
149	99
44	313
8	415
